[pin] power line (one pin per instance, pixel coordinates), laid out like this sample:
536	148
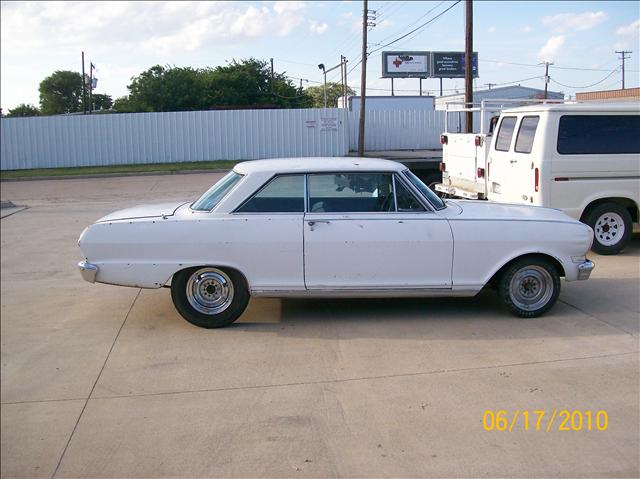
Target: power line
417	28
555	66
586	86
412	23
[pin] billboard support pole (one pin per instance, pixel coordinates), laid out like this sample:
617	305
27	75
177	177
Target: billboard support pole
420	86
392	92
440	86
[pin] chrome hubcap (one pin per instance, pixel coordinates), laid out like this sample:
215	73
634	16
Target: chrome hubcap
209	291
531	288
609	229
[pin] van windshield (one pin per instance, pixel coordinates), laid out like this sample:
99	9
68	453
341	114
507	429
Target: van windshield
219	190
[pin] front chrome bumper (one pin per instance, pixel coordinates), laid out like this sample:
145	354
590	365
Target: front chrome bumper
585	269
89	271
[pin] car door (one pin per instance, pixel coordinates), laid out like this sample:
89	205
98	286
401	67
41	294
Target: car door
357	237
505	166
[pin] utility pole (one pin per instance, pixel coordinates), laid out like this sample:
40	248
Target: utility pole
367	21
271	76
468	66
91	67
546	77
489	85
84	88
623	57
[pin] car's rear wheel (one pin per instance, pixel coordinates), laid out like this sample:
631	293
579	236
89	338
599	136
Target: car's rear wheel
209	297
612	227
529	287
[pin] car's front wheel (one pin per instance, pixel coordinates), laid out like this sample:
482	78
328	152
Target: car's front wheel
209	297
529	287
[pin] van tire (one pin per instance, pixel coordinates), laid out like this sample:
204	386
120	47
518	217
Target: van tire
606	220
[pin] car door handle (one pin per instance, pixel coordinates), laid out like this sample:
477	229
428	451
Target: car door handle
513	161
315	222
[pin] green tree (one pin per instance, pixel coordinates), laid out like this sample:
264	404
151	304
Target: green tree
334	91
243	84
23	109
61	92
101	101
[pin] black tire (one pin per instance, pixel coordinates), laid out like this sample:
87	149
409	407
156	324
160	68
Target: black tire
537	287
606	220
214	285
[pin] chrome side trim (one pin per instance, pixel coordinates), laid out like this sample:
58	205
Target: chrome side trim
365	293
88	271
585	269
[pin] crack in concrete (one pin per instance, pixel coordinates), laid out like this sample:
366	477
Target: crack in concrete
324	381
75	426
597	319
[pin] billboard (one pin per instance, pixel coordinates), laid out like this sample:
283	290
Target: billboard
451	64
406	64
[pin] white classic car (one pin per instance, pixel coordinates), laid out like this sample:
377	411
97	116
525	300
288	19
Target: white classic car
333	227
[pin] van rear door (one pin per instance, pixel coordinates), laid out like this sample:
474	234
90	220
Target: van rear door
513	175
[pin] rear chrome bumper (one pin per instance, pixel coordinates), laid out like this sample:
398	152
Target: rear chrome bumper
88	271
585	269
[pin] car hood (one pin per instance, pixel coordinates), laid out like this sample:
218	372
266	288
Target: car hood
143	211
486	210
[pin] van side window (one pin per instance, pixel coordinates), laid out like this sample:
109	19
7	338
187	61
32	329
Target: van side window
503	141
526	134
598	134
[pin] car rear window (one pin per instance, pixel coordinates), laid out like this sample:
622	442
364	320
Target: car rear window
351	193
598	134
505	133
526	134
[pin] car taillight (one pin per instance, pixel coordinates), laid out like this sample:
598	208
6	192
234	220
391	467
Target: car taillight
480	173
442	167
444	139
536	175
478	140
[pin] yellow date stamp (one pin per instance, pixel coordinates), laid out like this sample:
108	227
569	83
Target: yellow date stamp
544	420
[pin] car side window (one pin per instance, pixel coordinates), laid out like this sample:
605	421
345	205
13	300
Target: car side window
282	194
526	134
406	200
351	193
505	133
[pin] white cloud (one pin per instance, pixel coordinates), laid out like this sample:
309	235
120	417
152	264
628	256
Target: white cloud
631	30
491	29
563	22
165	27
550	49
318	28
628	34
527	29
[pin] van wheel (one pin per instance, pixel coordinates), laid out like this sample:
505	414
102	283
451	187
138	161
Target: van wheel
529	287
209	297
612	228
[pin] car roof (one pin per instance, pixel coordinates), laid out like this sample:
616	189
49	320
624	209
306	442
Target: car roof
600	107
317	164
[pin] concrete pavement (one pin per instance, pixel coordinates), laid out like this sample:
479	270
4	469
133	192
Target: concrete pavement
103	381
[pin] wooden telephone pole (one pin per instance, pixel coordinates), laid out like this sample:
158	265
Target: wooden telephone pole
363	78
468	66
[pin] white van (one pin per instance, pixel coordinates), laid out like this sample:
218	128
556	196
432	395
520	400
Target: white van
581	158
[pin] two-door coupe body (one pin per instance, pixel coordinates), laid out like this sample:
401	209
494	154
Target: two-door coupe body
348	227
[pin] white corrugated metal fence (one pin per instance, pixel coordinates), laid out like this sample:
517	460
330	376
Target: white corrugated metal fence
114	139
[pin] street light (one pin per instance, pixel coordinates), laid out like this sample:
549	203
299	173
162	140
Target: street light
321	67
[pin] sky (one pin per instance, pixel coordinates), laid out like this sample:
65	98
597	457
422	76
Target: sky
125	38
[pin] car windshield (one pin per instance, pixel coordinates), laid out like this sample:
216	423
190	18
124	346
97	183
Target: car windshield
214	195
425	190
